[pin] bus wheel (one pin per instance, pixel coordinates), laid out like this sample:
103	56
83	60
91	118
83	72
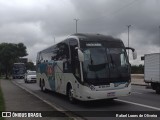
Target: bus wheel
70	95
42	85
158	89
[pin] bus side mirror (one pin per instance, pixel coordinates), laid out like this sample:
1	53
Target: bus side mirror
80	55
134	53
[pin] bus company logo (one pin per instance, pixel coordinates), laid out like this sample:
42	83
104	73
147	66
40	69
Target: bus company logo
6	114
49	70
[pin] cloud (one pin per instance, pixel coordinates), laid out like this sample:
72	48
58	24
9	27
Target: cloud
113	16
37	22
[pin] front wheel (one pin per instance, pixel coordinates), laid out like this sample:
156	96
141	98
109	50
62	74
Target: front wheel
158	89
70	95
42	85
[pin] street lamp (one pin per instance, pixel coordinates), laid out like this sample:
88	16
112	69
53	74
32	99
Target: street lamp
76	23
159	38
54	40
128	39
159	45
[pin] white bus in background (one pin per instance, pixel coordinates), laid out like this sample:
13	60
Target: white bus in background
86	67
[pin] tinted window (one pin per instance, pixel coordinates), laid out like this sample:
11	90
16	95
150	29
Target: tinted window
73	43
61	51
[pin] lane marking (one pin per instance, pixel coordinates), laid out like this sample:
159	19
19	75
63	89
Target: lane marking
138	104
50	104
136	93
62	110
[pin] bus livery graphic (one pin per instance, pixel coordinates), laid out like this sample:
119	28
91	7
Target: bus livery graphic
86	67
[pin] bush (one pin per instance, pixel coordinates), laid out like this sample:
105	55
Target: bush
137	69
2	105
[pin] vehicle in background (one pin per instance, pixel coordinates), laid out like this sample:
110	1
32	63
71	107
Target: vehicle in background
152	70
86	67
30	76
18	70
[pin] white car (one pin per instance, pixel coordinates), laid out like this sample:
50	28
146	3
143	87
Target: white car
30	76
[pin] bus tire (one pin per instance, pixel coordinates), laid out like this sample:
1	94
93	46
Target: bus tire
111	99
42	85
158	89
70	94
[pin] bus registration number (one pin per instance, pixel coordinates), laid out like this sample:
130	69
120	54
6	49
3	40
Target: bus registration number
111	94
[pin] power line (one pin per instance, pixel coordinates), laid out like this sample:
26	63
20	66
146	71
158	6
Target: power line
125	6
112	13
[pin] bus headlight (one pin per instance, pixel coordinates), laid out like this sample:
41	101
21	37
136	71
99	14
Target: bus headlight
92	87
127	83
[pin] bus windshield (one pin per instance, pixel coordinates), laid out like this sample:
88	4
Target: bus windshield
104	64
18	69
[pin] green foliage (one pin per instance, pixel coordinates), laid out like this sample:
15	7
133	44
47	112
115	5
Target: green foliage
137	69
10	53
2	104
21	49
30	66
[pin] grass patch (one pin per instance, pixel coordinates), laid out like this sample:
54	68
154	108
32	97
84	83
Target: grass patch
2	105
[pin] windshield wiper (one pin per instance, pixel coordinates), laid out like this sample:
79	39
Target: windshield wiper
91	59
112	60
115	66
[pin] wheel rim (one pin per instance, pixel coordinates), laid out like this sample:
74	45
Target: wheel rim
158	90
70	95
42	86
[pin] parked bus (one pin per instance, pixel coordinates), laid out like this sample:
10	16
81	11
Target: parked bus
18	70
86	67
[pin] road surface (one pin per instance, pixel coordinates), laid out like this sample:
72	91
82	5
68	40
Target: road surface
142	99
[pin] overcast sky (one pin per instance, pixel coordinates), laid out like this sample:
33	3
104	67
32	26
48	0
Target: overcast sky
37	22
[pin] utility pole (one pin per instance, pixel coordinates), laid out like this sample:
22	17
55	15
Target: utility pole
159	38
159	46
128	39
76	23
54	40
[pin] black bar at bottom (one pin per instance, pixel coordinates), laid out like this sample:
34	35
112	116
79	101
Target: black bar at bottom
134	114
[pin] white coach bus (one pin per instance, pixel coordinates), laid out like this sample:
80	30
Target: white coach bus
86	67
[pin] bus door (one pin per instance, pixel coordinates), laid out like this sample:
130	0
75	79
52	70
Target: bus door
61	56
75	64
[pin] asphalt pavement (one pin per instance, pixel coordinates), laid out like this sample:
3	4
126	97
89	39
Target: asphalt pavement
17	99
138	79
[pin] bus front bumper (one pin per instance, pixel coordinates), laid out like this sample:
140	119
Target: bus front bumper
88	94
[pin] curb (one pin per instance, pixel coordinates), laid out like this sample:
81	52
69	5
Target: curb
138	84
50	104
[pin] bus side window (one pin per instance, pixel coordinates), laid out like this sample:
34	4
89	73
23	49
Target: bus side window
37	59
61	52
73	44
41	58
75	65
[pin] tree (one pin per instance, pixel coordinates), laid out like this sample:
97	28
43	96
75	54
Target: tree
137	69
30	66
21	49
10	53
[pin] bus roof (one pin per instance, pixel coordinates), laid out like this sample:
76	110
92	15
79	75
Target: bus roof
18	63
87	37
95	37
